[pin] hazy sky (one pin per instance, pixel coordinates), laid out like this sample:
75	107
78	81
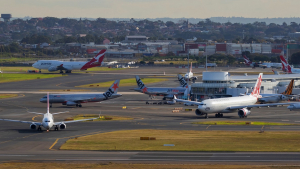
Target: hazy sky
151	8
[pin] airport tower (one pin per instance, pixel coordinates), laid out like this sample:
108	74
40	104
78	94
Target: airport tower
6	17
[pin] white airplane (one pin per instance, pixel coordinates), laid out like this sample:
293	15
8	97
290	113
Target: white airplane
190	75
269	65
55	65
286	67
48	121
228	105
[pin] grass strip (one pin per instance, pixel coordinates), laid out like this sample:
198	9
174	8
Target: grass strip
102	117
5	96
9	77
124	82
188	140
245	123
109	165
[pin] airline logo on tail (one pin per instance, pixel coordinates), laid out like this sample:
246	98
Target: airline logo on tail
285	66
113	89
256	90
96	61
289	89
247	60
140	84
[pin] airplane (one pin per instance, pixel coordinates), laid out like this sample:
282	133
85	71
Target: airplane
77	99
167	92
287	67
190	75
275	98
243	104
55	65
48	121
269	65
248	62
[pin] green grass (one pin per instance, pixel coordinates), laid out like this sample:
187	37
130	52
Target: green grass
17	69
124	82
110	165
103	69
244	123
5	96
103	117
188	140
9	77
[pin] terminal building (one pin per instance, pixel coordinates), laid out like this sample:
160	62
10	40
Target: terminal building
221	84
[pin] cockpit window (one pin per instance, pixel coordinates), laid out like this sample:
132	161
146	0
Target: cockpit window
47	121
45	97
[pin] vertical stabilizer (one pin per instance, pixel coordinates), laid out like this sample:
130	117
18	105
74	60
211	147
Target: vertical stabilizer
289	89
256	89
247	60
140	84
48	103
112	90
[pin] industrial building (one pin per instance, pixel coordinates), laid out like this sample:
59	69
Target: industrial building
221	84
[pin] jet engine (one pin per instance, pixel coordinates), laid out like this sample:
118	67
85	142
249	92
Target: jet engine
244	112
32	126
70	103
293	106
62	126
198	112
52	68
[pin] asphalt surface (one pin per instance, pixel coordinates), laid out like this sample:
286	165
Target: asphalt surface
18	142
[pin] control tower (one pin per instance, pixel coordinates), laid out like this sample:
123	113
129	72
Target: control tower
6	17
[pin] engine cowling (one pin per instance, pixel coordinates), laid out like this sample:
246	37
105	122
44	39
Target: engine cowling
70	103
244	112
294	107
32	126
199	113
52	69
62	126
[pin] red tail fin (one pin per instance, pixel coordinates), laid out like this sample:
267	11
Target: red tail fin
256	89
247	60
96	61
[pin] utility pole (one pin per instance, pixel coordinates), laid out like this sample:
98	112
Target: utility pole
206	55
188	89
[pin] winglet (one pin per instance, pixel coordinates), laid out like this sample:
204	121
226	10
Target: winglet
256	89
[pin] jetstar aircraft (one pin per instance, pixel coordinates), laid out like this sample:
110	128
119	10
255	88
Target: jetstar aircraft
228	105
48	121
55	65
286	67
77	99
167	92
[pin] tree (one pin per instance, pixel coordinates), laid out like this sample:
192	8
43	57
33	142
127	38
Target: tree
170	23
295	58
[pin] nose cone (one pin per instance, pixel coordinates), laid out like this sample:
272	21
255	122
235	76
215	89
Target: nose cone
43	100
34	65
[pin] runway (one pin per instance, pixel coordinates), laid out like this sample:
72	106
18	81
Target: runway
18	142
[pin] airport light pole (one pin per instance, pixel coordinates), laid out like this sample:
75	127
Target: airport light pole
206	55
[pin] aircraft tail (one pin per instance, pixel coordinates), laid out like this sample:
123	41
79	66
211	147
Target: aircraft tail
112	90
140	84
247	60
256	89
182	81
284	63
96	61
289	89
48	103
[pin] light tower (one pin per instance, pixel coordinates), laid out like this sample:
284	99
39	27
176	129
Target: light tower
6	17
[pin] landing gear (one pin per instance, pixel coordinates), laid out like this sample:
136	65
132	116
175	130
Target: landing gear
164	98
206	116
40	71
56	128
61	72
68	71
50	105
78	105
39	128
218	115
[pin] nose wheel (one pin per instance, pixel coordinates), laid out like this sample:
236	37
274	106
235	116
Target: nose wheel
219	115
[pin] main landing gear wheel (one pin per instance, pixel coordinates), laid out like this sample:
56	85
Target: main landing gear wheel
206	116
39	129
40	71
80	105
76	105
56	128
218	115
61	71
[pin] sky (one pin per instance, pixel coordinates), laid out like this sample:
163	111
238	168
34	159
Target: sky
151	8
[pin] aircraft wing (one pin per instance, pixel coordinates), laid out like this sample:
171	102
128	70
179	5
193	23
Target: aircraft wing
73	121
187	101
260	105
62	67
28	122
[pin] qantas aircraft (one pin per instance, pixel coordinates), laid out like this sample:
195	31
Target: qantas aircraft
77	99
48	121
167	92
248	62
228	105
263	65
55	65
286	67
190	75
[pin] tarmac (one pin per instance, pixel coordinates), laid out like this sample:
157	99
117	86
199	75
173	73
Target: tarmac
19	143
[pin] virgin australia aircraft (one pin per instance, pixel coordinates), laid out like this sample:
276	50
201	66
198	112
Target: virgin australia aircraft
55	65
167	92
77	99
228	105
48	121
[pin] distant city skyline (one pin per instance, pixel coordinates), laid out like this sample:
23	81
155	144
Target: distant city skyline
152	8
